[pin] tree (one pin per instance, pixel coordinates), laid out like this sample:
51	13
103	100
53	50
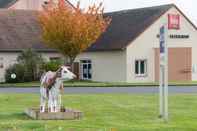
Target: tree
71	31
32	62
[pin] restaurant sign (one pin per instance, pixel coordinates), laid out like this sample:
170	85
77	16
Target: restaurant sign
174	21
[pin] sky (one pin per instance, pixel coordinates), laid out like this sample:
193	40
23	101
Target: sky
188	7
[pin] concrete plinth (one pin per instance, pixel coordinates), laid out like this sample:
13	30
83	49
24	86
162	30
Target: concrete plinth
65	114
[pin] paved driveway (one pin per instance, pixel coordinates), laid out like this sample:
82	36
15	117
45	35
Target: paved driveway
84	90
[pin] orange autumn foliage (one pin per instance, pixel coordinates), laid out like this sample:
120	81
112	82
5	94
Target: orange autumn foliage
71	30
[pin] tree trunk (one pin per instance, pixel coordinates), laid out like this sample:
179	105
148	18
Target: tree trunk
72	59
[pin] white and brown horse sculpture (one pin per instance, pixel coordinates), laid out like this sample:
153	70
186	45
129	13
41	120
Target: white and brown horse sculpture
51	86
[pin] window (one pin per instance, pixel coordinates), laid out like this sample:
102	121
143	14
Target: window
141	67
86	69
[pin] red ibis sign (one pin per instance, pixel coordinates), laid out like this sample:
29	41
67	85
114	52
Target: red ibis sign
173	21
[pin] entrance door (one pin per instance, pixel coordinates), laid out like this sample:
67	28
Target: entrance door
86	69
179	64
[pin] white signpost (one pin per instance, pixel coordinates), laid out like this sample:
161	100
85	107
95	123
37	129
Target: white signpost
163	89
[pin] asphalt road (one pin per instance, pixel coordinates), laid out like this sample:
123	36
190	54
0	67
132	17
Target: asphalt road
84	90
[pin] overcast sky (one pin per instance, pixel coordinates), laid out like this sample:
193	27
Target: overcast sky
189	7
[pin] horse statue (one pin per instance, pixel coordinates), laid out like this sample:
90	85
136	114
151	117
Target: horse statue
51	87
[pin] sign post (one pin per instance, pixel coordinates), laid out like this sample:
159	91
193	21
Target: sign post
163	88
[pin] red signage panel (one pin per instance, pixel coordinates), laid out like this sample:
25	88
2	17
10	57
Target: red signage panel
174	21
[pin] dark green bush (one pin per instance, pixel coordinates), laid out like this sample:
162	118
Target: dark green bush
29	67
52	65
28	76
17	69
32	62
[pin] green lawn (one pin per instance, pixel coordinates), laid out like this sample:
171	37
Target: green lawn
97	84
123	112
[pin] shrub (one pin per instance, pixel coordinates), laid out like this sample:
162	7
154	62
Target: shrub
32	62
28	68
52	65
17	69
28	76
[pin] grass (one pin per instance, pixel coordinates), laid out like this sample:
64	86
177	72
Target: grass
123	112
26	84
98	84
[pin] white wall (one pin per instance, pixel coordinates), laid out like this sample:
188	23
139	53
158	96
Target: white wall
28	4
32	4
143	47
106	66
10	58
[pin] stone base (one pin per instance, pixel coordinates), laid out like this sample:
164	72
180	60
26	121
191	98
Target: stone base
65	114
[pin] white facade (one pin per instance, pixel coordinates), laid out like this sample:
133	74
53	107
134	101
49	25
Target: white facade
28	4
106	66
143	47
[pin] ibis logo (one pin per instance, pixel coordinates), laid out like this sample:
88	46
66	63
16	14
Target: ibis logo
174	21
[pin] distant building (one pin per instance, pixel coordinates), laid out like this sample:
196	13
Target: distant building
19	30
127	52
27	4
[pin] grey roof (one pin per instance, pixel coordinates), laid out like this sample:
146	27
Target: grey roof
6	3
19	29
126	25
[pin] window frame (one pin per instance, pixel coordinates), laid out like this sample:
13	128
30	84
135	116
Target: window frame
85	62
140	74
